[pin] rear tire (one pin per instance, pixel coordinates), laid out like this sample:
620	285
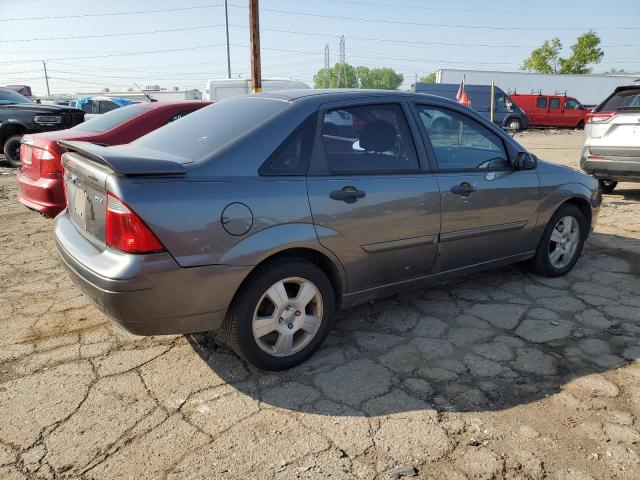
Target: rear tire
514	124
12	150
257	328
607	186
440	125
551	263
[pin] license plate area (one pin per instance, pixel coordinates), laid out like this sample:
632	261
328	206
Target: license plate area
77	200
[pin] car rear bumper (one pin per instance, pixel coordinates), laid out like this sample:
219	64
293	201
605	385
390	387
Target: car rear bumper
147	294
44	195
612	168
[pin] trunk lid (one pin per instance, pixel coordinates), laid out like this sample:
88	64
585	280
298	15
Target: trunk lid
87	168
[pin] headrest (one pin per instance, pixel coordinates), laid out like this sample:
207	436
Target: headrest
378	136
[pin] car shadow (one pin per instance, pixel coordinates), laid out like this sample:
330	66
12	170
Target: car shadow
492	341
632	194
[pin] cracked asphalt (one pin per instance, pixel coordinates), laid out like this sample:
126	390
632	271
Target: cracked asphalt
500	375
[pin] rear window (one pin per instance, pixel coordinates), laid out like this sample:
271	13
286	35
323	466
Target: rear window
212	128
109	120
629	98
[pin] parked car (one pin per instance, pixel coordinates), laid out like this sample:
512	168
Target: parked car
262	229
552	110
612	139
20	115
506	114
40	178
94	106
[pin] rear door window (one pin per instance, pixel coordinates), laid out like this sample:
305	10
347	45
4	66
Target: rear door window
292	157
541	102
554	103
368	139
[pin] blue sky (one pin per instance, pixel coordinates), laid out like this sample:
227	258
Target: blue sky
411	36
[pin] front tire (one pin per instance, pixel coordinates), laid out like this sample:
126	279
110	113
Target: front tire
514	124
561	242
12	150
607	186
281	315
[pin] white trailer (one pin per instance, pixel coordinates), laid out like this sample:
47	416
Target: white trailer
222	88
589	89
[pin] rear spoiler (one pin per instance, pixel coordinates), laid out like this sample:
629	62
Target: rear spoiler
128	159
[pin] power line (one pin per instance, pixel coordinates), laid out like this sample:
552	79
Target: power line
106	35
110	14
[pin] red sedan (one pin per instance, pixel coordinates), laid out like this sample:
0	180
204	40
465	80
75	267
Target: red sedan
40	176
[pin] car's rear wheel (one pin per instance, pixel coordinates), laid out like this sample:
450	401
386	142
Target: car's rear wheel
281	315
607	186
561	242
12	150
440	125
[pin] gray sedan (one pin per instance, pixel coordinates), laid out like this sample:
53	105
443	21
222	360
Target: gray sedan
262	214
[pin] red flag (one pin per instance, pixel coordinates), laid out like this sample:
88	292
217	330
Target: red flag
461	96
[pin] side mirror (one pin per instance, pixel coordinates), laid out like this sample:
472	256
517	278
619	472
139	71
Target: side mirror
525	161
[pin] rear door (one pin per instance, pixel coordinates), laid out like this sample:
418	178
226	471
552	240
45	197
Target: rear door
488	208
373	203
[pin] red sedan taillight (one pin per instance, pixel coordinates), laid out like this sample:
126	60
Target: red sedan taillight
125	231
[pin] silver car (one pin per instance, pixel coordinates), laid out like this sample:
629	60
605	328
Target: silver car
250	217
612	138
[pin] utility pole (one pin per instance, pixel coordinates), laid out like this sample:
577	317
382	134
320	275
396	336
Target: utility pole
254	28
342	74
46	77
327	66
226	24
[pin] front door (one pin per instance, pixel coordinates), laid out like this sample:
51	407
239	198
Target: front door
488	208
372	204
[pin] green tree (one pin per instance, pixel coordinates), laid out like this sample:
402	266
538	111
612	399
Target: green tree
348	76
546	58
383	78
337	77
431	78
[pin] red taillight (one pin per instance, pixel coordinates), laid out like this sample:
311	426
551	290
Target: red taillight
126	231
600	117
49	158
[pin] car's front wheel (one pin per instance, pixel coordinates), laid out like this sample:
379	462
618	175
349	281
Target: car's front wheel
12	150
561	242
281	315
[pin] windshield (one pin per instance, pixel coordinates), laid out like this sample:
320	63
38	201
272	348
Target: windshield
9	97
628	98
107	121
203	132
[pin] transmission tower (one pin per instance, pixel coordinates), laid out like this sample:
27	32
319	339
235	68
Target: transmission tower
326	56
327	66
342	74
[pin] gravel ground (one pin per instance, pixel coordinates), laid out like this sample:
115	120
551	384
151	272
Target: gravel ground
502	375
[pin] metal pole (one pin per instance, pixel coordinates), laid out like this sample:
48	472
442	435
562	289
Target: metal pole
254	27
493	95
46	77
226	24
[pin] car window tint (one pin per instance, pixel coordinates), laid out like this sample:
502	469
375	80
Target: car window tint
211	128
107	106
179	115
292	156
554	103
624	98
541	102
368	139
461	143
109	120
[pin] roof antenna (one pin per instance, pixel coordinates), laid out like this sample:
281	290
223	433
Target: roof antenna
145	93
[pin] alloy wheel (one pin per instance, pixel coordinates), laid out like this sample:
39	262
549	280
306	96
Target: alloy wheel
287	316
564	241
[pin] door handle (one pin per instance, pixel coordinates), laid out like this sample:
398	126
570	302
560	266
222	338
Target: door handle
347	194
465	189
